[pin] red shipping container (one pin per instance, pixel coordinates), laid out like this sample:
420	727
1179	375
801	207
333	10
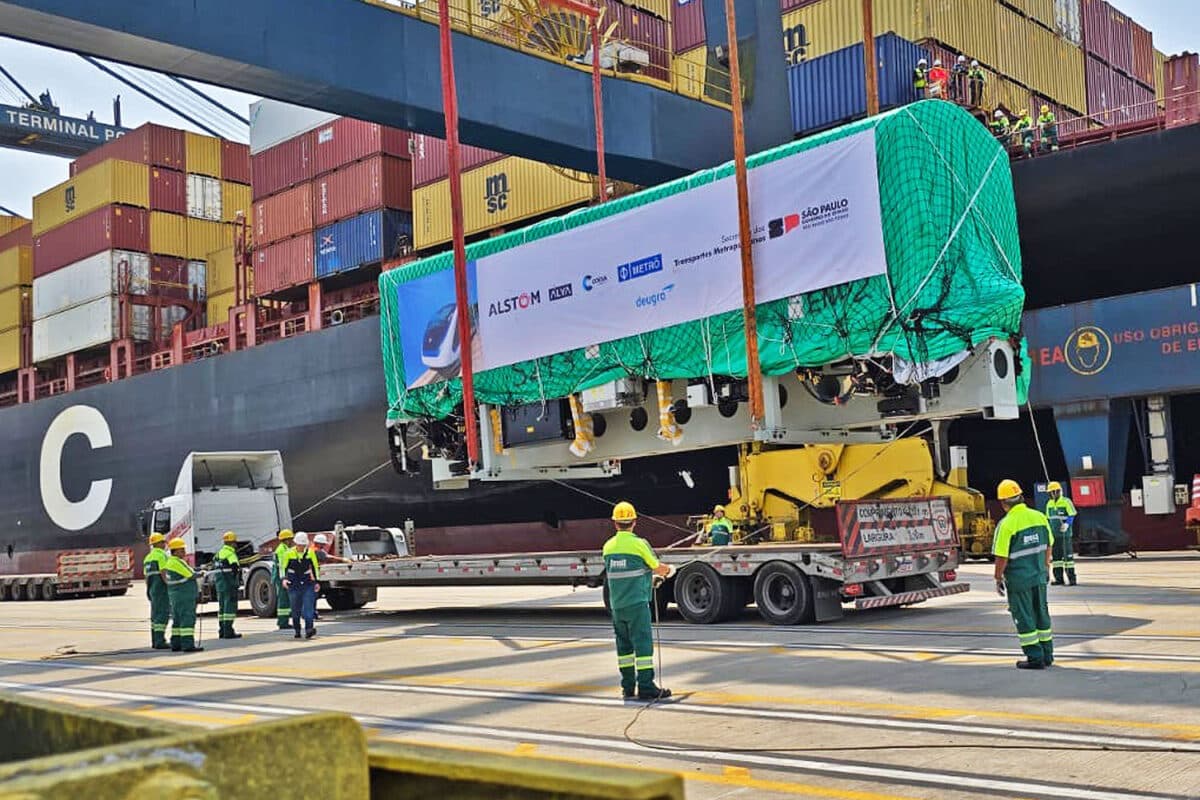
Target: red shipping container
346	140
642	30
108	228
156	145
283	215
282	166
1097	28
429	163
687	23
283	264
1121	28
1143	54
1181	85
1144	105
1101	98
379	182
22	236
169	277
168	190
235	162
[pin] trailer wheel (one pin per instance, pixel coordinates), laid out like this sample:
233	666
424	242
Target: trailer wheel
700	594
5	590
33	589
736	596
783	594
17	590
49	589
260	591
343	600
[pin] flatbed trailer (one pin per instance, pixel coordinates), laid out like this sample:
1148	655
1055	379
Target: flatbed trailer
892	553
79	573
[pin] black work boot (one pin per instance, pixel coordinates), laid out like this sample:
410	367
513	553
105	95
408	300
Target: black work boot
1027	664
1071	576
653	692
1058	576
232	635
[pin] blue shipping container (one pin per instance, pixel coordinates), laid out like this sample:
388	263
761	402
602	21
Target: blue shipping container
831	90
366	239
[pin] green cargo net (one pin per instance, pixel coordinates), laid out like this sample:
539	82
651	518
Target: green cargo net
953	280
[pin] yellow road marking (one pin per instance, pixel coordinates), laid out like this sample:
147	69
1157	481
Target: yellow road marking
193	716
525	749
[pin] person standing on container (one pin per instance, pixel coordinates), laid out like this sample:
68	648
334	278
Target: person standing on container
300	573
921	77
1022	550
959	75
182	590
1048	125
283	606
1061	513
976	79
939	80
1001	127
229	577
629	570
156	591
720	529
1024	132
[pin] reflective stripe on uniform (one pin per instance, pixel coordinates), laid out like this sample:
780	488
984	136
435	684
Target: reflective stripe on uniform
645	662
1028	638
158	626
617	576
624	662
1045	636
1028	551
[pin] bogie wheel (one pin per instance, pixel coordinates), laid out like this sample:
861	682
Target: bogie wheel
260	591
18	590
49	589
737	595
783	594
33	589
700	594
343	600
5	590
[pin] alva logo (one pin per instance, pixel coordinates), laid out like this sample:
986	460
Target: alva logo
654	298
495	192
518	302
778	227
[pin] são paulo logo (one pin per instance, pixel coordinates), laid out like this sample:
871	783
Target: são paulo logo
1088	350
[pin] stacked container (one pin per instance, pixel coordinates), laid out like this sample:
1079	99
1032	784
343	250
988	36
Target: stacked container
342	185
1121	65
16	277
1181	85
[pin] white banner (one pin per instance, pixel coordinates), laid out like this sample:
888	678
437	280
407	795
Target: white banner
816	223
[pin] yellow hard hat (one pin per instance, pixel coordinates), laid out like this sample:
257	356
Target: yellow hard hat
1087	339
719	507
286	533
1053	486
229	536
157	538
624	512
1008	489
1045	109
177	544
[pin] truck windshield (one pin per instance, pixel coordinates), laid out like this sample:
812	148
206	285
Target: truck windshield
162	521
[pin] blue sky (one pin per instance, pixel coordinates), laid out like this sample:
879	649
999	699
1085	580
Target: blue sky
78	87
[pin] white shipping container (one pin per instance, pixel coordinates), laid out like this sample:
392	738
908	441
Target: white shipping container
197	281
94	277
203	197
168	318
272	122
1067	20
86	326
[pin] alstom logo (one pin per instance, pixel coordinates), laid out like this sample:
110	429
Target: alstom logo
653	299
518	302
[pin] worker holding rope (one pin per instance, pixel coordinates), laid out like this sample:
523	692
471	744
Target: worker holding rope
1022	550
629	569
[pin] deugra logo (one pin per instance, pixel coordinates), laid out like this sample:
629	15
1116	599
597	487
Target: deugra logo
654	298
518	302
495	192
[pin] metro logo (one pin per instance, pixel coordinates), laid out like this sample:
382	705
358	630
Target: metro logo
495	192
778	227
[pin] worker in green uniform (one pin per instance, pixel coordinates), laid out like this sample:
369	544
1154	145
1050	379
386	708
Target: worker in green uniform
1048	125
283	606
229	577
1022	550
720	529
976	79
156	591
1023	132
1061	513
1001	127
182	590
629	569
921	78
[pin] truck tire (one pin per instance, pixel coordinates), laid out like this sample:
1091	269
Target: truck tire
737	595
17	590
343	600
700	594
49	589
783	594
260	591
5	590
33	589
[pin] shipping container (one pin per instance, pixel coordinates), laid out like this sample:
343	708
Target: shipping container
235	197
110	273
167	318
283	265
16	237
168	234
1038	58
690	69
14	304
108	228
10	350
235	162
273	122
1122	41
167	191
1067	21
204	237
429	158
217	307
86	326
282	166
197	279
378	182
1181	89
220	277
283	215
687	25
498	194
9	223
203	154
1160	66
16	266
107	183
831	90
1101	90
346	140
1143	54
659	8
204	198
149	144
365	239
1041	11
644	31
1107	34
1010	96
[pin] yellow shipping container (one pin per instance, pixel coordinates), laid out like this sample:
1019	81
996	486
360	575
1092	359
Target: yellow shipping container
10	350
1160	62
502	193
104	184
205	236
219	275
659	8
9	223
13	301
235	197
168	234
218	307
689	68
16	266
203	154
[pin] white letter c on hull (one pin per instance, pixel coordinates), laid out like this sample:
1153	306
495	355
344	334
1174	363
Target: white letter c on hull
65	513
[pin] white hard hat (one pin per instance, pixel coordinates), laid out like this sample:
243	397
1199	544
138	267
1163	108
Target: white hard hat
962	58
974	63
999	113
301	538
321	539
937	62
923	61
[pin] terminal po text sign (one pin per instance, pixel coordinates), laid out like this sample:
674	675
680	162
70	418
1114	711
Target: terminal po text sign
877	527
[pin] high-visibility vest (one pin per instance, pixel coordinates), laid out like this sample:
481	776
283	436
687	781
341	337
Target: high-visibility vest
920	78
628	565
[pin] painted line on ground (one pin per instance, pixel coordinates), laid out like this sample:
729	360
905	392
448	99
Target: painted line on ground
841	769
994	732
